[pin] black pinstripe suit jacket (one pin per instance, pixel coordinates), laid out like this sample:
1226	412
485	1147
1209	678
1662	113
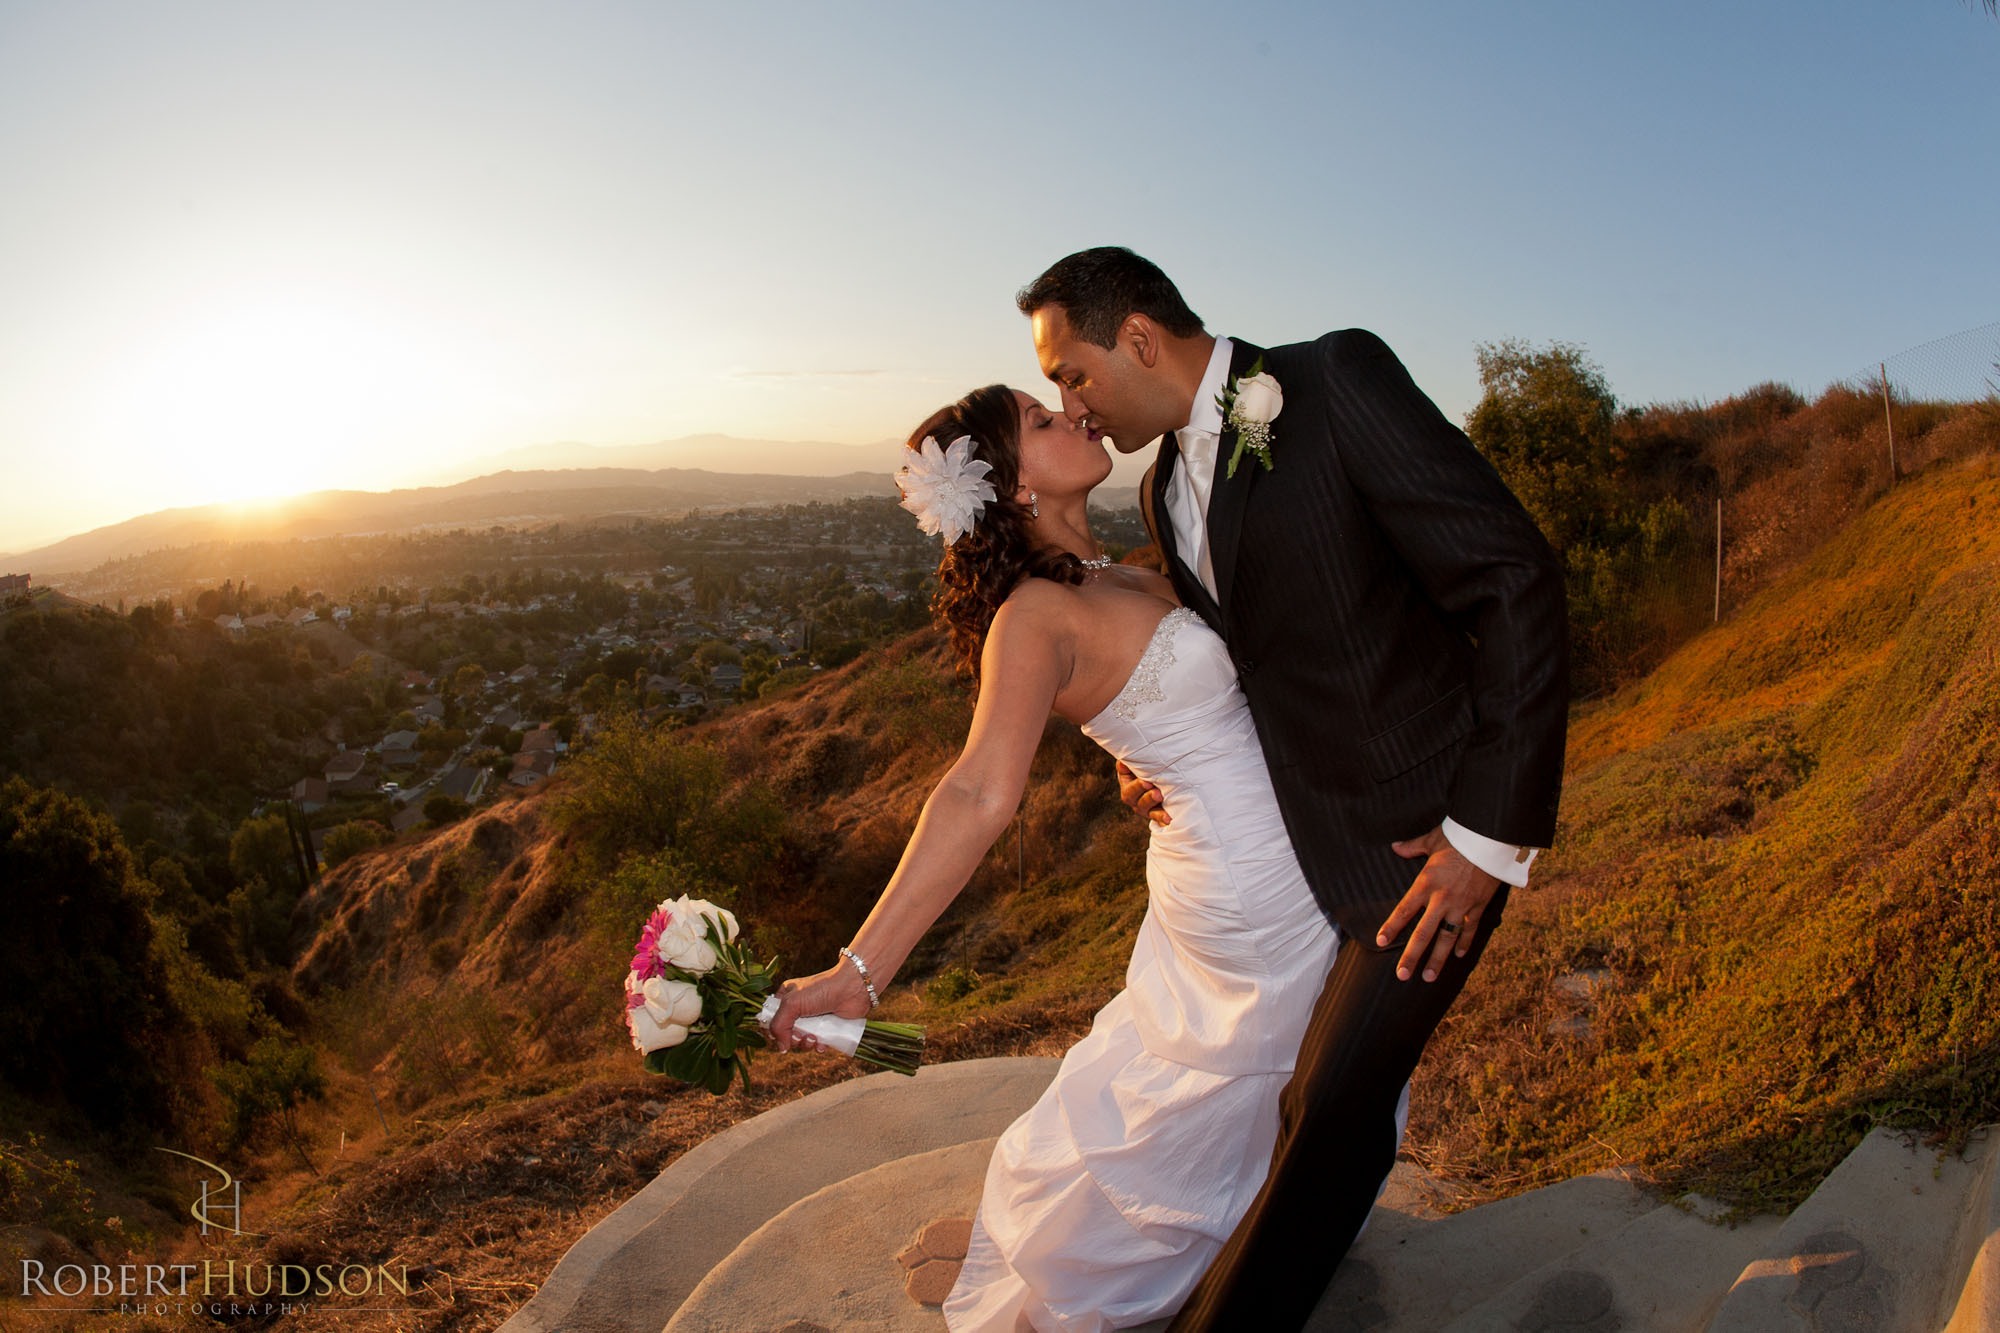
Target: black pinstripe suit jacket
1396	618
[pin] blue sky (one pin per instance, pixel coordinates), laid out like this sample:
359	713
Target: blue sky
250	248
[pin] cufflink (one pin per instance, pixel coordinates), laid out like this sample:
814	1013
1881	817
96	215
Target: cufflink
1521	856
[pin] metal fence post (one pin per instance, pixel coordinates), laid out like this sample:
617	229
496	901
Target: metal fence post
1888	419
1718	558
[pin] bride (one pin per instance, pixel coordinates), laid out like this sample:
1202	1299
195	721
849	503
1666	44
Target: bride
1108	1198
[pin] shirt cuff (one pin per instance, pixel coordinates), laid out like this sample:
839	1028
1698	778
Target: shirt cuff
1502	860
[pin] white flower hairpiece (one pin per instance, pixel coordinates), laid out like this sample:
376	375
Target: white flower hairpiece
944	487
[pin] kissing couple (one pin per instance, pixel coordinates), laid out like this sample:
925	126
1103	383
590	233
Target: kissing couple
1342	706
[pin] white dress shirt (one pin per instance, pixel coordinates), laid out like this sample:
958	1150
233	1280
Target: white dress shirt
1194	479
1188	491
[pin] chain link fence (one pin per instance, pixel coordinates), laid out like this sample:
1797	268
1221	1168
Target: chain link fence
1747	487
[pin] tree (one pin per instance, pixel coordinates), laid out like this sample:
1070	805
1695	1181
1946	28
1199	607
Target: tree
1548	424
269	1088
625	663
1545	423
638	787
262	849
714	652
81	1005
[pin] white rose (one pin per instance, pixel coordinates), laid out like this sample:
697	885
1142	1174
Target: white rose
698	957
671	1002
649	1036
1258	400
725	921
677	941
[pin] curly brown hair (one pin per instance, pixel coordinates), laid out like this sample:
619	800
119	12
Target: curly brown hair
979	569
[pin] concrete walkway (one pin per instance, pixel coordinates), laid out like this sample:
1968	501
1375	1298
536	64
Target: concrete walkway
811	1219
631	1271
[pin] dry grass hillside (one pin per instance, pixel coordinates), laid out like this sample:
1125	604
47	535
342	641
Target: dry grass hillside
1772	918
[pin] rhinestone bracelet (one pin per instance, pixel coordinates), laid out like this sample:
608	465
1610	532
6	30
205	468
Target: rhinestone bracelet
862	968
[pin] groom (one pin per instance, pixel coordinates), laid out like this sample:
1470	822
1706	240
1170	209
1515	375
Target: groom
1397	623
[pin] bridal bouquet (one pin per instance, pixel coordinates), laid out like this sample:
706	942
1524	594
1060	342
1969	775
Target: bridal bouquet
696	1003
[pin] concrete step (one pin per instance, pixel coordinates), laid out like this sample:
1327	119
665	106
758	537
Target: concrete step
794	1222
1978	1258
631	1271
1666	1271
1425	1274
837	1249
830	1260
1883	1245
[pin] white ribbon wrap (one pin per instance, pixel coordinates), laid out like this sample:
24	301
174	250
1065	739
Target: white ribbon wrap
836	1034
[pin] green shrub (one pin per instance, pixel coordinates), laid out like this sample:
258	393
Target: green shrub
347	841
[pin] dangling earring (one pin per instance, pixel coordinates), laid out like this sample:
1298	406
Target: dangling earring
1034	509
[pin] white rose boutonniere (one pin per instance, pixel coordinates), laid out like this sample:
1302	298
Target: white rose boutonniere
1249	405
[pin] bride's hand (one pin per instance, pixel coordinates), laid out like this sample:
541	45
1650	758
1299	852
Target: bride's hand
837	991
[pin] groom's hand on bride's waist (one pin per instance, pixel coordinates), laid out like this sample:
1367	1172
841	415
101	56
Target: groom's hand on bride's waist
1142	795
1445	901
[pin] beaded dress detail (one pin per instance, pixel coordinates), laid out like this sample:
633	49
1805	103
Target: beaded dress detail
1144	685
1107	1199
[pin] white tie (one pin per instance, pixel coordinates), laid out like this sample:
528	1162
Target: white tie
1197	449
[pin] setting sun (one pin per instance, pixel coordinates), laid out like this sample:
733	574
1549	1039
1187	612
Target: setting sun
270	394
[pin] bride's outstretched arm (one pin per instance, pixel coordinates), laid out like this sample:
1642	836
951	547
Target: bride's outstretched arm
1024	663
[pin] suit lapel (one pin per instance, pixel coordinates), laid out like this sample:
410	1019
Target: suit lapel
1228	495
1163	523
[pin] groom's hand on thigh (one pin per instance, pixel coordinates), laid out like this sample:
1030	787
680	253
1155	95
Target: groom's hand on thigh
1445	901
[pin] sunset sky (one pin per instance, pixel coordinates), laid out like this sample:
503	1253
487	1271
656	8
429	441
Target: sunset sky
256	248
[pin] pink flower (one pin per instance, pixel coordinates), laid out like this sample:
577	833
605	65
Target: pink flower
647	962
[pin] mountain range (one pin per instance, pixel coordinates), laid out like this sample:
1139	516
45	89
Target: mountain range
509	498
540	484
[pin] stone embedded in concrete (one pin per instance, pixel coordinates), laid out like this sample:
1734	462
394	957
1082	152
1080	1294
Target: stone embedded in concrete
1837	1288
947	1238
1572	1302
1830	1259
931	1281
1349	1304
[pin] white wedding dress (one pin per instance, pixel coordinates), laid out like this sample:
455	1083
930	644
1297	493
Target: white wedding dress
1106	1200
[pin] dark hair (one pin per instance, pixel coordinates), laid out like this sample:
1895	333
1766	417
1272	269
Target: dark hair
979	569
1098	288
